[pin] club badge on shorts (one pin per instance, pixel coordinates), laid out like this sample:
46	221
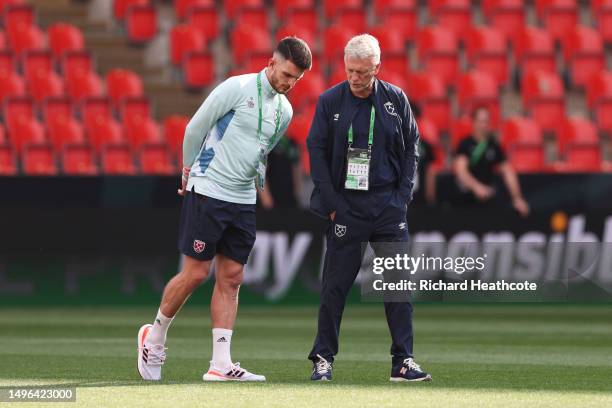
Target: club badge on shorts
340	230
198	246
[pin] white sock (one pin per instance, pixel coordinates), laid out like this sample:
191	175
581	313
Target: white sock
157	334
222	339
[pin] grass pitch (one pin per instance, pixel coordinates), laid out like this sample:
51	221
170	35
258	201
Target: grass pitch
489	356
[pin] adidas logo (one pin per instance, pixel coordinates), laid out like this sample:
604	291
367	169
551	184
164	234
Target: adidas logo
222	340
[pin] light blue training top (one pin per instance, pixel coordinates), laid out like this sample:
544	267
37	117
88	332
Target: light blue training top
221	140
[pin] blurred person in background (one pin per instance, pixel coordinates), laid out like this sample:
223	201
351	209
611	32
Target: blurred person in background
225	151
424	191
476	159
284	178
363	146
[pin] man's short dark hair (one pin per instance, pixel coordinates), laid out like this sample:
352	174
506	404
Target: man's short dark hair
295	50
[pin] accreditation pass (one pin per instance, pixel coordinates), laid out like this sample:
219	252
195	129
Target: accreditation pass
358	169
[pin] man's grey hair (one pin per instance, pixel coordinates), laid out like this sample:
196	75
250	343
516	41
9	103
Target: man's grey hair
363	46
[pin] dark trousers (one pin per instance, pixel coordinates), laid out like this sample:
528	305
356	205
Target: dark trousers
342	262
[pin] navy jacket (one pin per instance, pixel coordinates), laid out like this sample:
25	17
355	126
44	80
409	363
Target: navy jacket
327	142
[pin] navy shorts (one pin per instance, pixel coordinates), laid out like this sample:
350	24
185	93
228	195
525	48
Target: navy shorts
210	226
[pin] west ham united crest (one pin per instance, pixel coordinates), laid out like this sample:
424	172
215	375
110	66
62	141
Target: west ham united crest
390	108
198	246
340	230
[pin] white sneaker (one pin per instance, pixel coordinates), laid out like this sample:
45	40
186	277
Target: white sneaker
235	373
151	357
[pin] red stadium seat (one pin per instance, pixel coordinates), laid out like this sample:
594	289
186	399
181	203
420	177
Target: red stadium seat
198	70
106	132
117	160
174	131
25	132
602	11
437	50
477	89
252	16
26	38
76	61
544	98
11	84
120	7
39	160
395	63
486	51
559	16
283	7
455	15
15	15
400	19
520	130
307	90
429	133
141	24
248	40
579	142
95	109
122	83
331	8
395	78
64	131
306	18
82	84
298	132
577	131
508	16
183	39
599	98
232	7
429	92
3	42
7	61
8	162
522	139
155	160
391	41
304	33
35	61
135	107
584	52
382	6
335	38
78	160
355	18
142	130
337	76
43	84
534	50
64	37
460	129
183	7
205	19
15	108
254	63
57	109
527	158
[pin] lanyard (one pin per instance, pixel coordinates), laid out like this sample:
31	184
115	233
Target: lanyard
260	105
370	131
478	152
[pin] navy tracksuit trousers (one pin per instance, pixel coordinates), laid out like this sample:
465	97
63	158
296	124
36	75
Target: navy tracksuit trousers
341	266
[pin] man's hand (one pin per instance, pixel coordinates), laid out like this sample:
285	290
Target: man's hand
332	216
184	177
521	206
483	192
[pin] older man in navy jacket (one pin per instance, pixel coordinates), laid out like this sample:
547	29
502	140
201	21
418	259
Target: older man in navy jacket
363	153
